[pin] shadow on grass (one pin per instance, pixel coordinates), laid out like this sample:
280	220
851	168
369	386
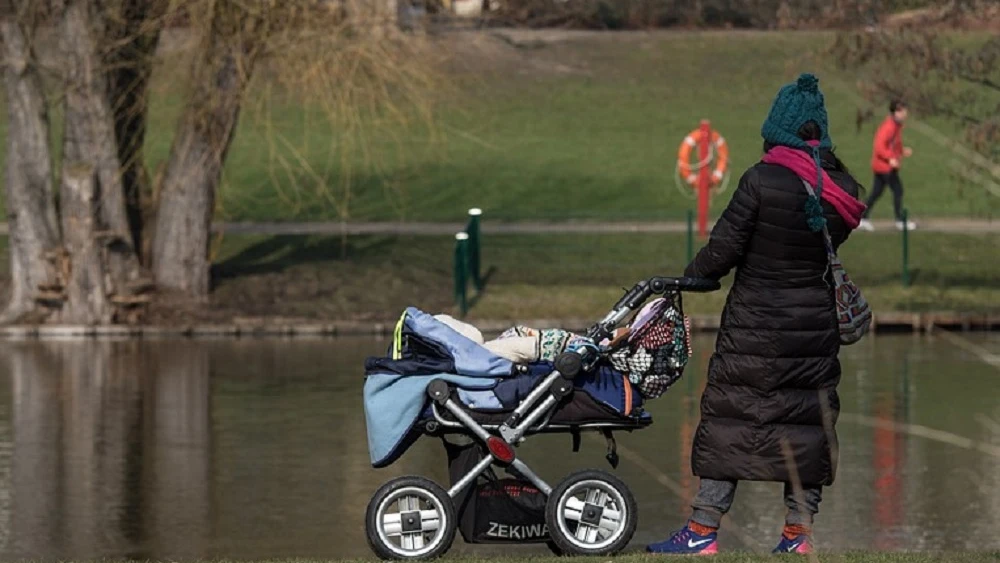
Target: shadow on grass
278	253
928	277
486	281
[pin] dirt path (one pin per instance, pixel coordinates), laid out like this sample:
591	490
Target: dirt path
955	226
952	226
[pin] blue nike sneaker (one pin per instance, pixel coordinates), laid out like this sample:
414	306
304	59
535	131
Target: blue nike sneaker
686	542
799	544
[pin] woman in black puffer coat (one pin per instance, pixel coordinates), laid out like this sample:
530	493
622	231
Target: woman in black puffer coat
769	409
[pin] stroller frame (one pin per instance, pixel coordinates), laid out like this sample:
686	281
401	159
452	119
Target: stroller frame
554	387
607	502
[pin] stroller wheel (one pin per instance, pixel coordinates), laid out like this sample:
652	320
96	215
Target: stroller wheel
410	518
591	513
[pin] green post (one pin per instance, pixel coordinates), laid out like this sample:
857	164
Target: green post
474	245
690	235
461	271
906	249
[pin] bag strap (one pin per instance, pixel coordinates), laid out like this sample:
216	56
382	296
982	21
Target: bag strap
828	242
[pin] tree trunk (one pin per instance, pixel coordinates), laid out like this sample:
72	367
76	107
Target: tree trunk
187	195
133	34
90	132
31	213
86	292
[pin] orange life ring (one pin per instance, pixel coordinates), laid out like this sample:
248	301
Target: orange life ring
721	151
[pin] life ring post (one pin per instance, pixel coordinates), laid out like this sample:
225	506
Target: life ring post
704	177
708	174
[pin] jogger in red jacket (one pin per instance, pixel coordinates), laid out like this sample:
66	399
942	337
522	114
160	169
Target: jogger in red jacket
887	152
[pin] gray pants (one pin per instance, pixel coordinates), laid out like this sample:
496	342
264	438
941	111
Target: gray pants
715	498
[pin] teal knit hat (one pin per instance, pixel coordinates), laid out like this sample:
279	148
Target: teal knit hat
795	105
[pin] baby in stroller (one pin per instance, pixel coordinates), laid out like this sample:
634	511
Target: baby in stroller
441	378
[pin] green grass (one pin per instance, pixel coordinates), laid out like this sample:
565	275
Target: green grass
585	128
588	130
558	276
735	557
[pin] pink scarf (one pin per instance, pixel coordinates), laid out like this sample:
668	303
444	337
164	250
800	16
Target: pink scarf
805	167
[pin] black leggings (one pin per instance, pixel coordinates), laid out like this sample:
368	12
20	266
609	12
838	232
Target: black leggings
878	186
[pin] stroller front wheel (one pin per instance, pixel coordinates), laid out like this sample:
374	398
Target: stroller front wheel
591	513
410	518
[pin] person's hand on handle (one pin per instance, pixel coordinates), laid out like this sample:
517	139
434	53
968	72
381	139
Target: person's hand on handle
907	152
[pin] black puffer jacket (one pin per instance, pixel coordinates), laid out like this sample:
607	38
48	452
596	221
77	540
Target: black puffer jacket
773	377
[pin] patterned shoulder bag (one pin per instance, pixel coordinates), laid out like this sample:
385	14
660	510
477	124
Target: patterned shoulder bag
854	316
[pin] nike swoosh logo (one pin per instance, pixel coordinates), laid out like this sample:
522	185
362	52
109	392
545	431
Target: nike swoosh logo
692	543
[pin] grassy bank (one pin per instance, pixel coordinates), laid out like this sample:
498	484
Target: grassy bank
552	276
372	278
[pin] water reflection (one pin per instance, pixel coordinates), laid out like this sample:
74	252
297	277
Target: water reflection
108	458
254	449
888	461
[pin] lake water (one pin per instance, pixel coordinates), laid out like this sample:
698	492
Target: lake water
256	448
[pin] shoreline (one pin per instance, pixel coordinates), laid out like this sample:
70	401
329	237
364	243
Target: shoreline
900	322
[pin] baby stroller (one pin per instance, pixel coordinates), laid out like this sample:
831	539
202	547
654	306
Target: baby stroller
436	382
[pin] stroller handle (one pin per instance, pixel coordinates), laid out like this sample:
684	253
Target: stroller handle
694	285
635	297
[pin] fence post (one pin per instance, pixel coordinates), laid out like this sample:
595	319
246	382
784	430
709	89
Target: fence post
472	229
690	236
461	271
906	249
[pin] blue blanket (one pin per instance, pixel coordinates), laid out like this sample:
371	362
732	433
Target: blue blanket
393	400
